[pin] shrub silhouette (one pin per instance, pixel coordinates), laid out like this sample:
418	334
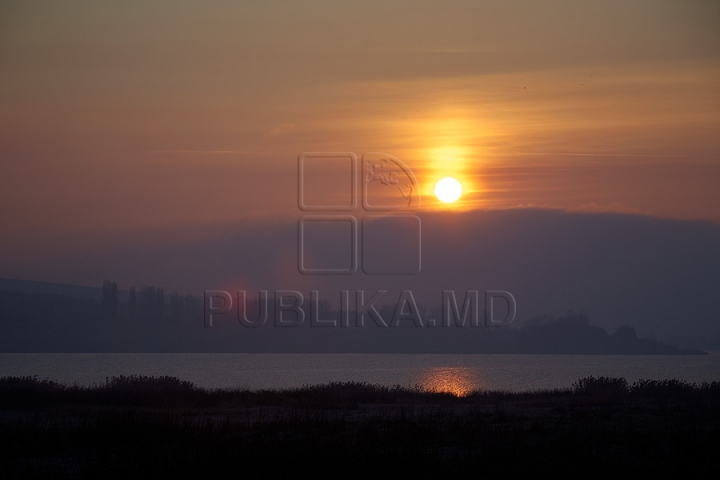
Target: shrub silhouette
601	386
29	392
662	388
144	390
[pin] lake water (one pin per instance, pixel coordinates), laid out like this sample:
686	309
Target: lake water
455	373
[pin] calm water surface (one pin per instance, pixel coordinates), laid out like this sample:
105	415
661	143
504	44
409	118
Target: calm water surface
456	373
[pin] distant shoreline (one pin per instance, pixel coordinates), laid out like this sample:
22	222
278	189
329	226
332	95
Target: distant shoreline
43	317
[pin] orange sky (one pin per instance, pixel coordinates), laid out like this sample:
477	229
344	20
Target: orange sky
139	115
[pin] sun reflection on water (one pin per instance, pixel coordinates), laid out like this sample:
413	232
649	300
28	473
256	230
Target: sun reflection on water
457	381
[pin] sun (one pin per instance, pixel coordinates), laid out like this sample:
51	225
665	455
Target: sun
448	190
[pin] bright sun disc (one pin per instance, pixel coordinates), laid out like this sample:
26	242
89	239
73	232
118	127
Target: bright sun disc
448	190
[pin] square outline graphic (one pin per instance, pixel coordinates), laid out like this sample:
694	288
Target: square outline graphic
353	246
353	181
419	260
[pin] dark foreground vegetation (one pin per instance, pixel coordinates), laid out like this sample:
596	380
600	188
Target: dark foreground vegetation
164	427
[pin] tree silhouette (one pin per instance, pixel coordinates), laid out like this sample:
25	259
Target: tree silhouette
160	303
148	300
132	302
176	305
110	298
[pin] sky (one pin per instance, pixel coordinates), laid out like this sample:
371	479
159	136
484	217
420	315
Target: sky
137	124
